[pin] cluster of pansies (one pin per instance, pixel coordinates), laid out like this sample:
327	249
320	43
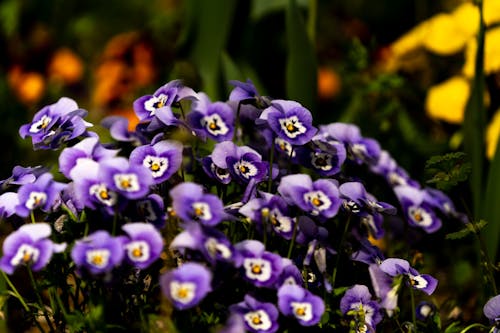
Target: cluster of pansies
242	210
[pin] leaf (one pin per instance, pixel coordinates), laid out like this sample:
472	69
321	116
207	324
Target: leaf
446	171
262	8
474	122
453	327
301	67
214	24
469	229
491	208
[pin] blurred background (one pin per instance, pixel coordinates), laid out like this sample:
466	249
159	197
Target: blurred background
106	54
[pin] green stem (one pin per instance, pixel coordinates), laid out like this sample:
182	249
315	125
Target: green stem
40	301
473	326
14	290
311	21
413	309
292	243
270	172
342	240
32	216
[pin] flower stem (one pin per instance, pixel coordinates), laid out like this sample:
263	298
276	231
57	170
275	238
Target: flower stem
14	290
292	243
39	299
473	326
342	240
32	216
413	309
270	172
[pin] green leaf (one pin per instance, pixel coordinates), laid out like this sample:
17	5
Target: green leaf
470	228
214	24
474	122
446	171
261	8
491	208
301	67
453	328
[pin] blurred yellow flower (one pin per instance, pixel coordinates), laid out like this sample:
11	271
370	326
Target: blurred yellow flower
444	35
491	53
492	135
446	101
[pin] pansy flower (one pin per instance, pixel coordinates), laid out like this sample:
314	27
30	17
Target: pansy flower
187	285
98	253
151	209
55	123
492	311
92	189
89	148
295	301
319	198
131	181
143	245
212	120
219	174
40	194
119	130
244	163
324	162
157	108
29	246
257	316
274	210
211	243
259	266
359	149
290	121
22	175
418	208
289	275
161	158
396	266
365	206
192	205
357	302
387	167
8	203
425	310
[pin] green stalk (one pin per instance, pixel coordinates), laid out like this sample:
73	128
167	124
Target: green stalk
413	309
292	243
40	301
14	290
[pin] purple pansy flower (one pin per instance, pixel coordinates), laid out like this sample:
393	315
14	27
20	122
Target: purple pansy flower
55	123
272	208
213	171
21	175
118	129
212	120
161	158
131	181
387	167
418	208
396	266
257	316
324	162
319	198
8	203
143	245
187	285
29	245
234	324
365	206
89	148
259	266
191	205
492	311
359	149
425	310
157	108
92	189
243	163
307	308
41	194
211	243
290	121
357	301
98	253
151	209
289	275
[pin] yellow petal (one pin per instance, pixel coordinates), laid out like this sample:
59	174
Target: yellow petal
410	41
491	52
491	10
444	35
466	17
492	134
446	101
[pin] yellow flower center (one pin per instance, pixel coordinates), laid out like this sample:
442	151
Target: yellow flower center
26	257
198	211
155	167
256	269
137	252
316	202
182	292
256	320
213	125
97	260
125	183
290	127
243	169
300	311
104	194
